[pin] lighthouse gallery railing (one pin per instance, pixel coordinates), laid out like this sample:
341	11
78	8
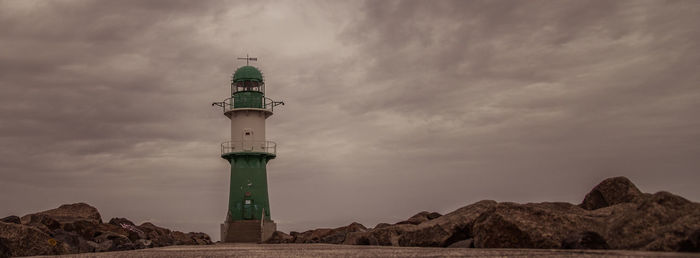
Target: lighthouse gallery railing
266	104
249	146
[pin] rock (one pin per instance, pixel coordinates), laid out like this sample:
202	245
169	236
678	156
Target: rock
78	228
280	237
24	240
446	229
4	248
69	213
327	235
610	192
439	232
43	222
337	235
142	243
467	243
434	215
87	229
76	243
200	238
100	247
312	236
614	215
416	219
180	238
585	240
120	222
691	243
110	241
382	225
159	236
532	225
124	227
11	219
658	222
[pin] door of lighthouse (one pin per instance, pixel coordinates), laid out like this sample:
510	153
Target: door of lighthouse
248	139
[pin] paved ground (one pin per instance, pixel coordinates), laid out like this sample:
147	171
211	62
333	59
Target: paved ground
326	250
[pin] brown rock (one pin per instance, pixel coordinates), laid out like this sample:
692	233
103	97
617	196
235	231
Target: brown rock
43	222
11	219
200	238
327	235
446	229
24	240
417	219
584	240
182	238
658	222
4	248
76	243
532	225
382	225
615	215
120	222
159	236
467	243
610	192
110	241
280	237
69	213
691	243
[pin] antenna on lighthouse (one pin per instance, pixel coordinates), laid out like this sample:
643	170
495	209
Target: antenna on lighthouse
248	59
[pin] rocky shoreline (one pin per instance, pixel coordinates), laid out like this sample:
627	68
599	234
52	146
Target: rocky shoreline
78	228
614	215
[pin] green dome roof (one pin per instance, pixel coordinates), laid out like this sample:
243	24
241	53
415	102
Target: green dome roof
247	73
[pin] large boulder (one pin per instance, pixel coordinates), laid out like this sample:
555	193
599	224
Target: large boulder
658	222
69	213
532	225
439	232
22	240
610	192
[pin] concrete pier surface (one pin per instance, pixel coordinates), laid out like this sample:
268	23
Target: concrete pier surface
328	250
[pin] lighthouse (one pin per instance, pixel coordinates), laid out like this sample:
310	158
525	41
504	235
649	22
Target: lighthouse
248	215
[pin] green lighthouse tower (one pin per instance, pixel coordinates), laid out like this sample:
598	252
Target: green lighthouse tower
248	217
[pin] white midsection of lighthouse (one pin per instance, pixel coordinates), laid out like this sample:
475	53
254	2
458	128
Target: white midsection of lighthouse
248	126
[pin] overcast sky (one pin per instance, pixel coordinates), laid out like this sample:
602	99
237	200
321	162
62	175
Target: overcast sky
391	107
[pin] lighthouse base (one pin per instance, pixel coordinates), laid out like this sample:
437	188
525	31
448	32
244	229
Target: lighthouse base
247	231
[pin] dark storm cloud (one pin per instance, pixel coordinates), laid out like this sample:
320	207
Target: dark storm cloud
392	106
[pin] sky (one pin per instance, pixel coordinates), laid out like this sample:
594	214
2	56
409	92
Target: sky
392	107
